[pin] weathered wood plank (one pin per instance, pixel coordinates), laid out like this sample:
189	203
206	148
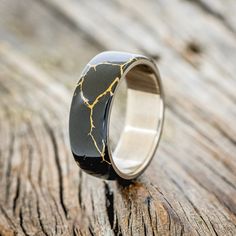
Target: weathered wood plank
189	189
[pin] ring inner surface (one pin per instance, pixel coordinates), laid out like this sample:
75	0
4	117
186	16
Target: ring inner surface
135	120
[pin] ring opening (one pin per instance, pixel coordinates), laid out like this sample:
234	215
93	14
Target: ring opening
135	120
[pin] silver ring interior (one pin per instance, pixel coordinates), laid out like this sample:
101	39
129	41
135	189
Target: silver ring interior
135	119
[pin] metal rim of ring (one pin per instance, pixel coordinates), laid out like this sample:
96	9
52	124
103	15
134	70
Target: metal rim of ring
145	164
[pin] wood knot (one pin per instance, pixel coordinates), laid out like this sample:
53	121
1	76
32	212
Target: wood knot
193	48
192	53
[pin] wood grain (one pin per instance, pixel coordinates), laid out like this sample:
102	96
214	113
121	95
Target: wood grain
189	188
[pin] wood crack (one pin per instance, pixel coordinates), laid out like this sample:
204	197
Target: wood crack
80	189
40	219
109	204
9	166
16	197
168	207
22	223
58	165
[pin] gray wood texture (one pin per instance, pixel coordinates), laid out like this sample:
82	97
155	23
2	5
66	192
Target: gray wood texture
189	188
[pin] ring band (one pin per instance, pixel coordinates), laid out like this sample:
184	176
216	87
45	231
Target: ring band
116	115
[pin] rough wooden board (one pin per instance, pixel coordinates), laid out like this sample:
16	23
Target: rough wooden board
189	189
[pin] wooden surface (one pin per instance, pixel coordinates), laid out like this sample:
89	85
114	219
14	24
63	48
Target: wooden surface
189	188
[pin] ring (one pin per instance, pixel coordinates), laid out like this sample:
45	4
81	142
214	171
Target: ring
116	115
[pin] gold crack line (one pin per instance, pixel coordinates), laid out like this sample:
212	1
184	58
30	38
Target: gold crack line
113	64
91	106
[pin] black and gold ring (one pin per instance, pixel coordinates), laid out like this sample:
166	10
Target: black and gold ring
116	115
